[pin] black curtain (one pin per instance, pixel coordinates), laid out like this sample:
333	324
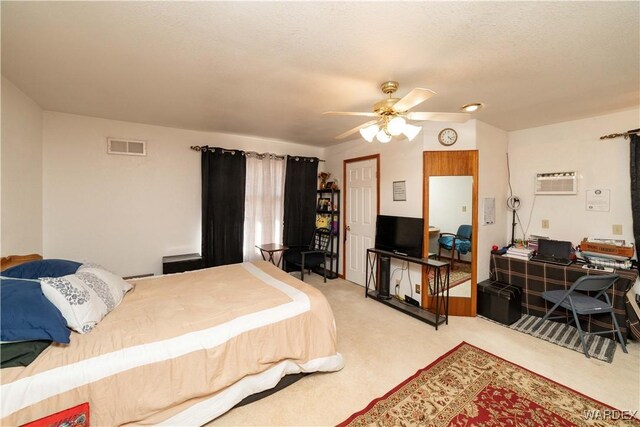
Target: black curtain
300	200
223	188
635	184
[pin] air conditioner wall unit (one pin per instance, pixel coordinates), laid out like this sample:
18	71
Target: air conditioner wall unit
556	183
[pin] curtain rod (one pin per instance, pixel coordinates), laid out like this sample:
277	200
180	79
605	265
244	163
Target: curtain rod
255	153
625	134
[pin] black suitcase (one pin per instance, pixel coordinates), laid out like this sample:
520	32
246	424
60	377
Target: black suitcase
499	301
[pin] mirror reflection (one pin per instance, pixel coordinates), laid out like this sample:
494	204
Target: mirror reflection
450	210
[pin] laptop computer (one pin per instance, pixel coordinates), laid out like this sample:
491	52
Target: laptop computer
553	252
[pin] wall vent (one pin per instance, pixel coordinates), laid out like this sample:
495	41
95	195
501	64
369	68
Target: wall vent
127	147
557	183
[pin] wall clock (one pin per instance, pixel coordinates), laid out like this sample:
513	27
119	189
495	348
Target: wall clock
447	137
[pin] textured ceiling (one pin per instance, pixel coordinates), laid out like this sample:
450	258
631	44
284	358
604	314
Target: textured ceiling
271	68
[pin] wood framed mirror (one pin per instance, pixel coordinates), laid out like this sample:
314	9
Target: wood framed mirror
451	170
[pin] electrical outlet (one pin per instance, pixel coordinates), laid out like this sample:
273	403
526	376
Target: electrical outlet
616	229
464	209
545	223
417	288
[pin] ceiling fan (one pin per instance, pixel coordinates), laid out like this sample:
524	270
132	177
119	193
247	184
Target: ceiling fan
391	115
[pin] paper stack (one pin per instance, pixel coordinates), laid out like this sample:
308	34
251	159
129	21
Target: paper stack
521	253
611	253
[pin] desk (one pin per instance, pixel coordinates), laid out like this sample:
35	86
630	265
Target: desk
270	249
440	284
536	277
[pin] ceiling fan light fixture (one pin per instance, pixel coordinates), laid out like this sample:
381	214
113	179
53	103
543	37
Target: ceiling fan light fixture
470	108
411	131
369	132
383	136
396	126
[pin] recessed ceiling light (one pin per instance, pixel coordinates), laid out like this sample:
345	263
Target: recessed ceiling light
470	108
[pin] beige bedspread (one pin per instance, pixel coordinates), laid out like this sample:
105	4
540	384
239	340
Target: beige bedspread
175	340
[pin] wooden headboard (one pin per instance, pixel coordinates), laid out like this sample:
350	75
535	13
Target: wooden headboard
13	260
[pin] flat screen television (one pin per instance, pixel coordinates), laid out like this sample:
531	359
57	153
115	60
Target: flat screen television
400	234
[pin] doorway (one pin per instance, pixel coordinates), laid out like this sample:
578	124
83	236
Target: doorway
361	207
452	169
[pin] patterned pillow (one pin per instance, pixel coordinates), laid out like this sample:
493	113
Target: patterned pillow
85	297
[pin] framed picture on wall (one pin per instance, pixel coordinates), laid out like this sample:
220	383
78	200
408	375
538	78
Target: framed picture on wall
324	204
399	191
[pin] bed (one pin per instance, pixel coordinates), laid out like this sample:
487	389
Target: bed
181	349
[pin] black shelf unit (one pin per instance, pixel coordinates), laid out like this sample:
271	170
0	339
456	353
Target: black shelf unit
333	212
440	285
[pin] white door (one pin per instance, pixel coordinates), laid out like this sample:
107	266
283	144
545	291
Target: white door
360	217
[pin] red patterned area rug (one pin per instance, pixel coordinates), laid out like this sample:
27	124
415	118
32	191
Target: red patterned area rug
470	387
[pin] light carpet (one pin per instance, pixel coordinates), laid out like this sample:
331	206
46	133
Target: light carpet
471	387
382	347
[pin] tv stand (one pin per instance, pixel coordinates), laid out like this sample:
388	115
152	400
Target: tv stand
372	275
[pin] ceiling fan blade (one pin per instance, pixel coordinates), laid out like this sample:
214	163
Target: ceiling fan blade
350	113
413	98
439	117
356	129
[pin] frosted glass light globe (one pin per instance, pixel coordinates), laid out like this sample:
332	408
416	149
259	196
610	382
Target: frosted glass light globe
383	136
411	131
369	132
396	126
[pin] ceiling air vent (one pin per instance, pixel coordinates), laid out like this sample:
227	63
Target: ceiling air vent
556	183
127	147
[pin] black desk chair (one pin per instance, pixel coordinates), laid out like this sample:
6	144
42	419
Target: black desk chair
311	256
583	304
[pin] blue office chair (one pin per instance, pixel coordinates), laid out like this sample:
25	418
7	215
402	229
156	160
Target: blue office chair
459	242
582	304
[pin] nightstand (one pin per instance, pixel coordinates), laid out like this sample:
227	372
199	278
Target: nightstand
180	263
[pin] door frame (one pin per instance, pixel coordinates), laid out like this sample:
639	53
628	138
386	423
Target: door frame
345	201
453	163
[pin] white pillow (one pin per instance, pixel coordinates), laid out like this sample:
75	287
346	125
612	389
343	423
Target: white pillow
85	297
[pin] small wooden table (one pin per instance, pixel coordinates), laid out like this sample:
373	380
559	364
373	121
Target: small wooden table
270	249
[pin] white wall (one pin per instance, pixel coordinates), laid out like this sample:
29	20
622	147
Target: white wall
491	144
21	205
450	206
492	183
466	135
451	198
127	212
400	160
574	146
